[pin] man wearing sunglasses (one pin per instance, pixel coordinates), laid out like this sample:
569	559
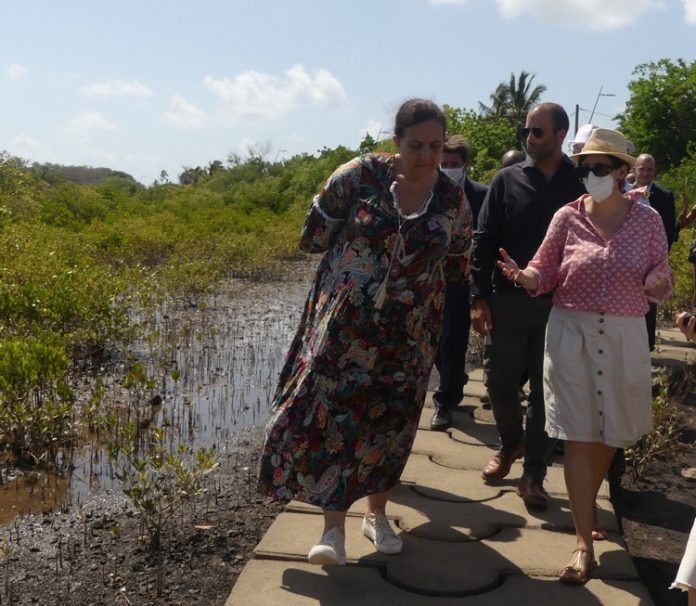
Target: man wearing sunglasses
518	208
662	200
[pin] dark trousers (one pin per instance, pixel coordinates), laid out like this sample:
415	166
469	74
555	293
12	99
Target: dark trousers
651	324
515	343
450	359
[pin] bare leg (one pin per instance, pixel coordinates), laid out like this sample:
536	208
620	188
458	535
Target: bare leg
377	502
334	519
579	479
601	464
692	596
586	465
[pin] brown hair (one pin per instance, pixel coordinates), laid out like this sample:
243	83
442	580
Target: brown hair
457	144
417	111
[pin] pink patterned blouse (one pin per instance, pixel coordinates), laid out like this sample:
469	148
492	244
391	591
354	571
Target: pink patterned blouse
591	273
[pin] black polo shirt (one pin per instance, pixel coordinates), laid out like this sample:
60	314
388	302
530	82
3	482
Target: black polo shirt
515	216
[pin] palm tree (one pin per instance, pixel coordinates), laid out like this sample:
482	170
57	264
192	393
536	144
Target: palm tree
514	99
522	97
499	102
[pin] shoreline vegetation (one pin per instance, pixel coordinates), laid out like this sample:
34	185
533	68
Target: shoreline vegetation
84	267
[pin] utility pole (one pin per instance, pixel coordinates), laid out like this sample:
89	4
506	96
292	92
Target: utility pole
599	94
382	132
577	115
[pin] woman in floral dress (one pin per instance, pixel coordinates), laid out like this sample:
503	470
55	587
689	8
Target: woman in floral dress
394	229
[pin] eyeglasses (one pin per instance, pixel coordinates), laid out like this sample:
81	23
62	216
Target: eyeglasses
598	170
535	130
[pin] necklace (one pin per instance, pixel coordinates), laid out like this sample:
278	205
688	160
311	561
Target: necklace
397	205
398	249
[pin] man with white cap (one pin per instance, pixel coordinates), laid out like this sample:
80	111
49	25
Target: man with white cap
581	138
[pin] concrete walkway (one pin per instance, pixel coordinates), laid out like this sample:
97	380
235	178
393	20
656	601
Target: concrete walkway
465	542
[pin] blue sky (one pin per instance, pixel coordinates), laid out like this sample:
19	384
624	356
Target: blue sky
145	86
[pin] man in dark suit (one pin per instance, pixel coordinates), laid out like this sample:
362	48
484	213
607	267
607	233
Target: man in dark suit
451	355
662	200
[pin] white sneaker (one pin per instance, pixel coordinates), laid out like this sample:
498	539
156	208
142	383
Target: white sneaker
331	550
378	529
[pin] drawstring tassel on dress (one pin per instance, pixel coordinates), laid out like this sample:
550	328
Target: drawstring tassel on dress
398	249
380	295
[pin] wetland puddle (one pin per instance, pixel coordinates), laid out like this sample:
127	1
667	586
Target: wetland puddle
215	369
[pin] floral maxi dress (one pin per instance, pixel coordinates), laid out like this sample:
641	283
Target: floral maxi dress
349	397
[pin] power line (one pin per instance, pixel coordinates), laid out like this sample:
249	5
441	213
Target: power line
582	109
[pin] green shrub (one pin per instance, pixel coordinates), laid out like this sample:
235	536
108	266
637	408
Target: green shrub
157	481
35	398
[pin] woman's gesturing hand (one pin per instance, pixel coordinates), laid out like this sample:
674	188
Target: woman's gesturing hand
525	278
508	266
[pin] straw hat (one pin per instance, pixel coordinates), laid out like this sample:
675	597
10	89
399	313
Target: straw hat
609	142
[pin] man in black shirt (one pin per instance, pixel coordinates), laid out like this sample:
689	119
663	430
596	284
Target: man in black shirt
515	215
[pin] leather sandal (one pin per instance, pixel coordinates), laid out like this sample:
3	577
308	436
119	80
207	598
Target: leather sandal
578	571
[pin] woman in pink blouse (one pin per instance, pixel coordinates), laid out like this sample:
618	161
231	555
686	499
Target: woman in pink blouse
605	257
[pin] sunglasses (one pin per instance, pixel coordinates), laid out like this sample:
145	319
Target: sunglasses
598	170
535	130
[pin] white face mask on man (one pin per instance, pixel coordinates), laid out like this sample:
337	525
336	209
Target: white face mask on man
454	173
600	188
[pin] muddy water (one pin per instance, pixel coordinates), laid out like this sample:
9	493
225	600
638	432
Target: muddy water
219	371
214	367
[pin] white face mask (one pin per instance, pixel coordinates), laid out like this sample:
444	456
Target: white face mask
600	188
454	173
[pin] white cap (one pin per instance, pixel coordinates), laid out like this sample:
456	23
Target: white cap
581	136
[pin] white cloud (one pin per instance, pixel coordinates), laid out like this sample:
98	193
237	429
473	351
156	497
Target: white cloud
184	114
117	88
26	147
252	94
690	11
25	142
87	121
247	147
16	71
595	14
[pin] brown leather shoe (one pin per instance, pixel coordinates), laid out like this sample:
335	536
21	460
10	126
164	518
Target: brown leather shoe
533	493
499	466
